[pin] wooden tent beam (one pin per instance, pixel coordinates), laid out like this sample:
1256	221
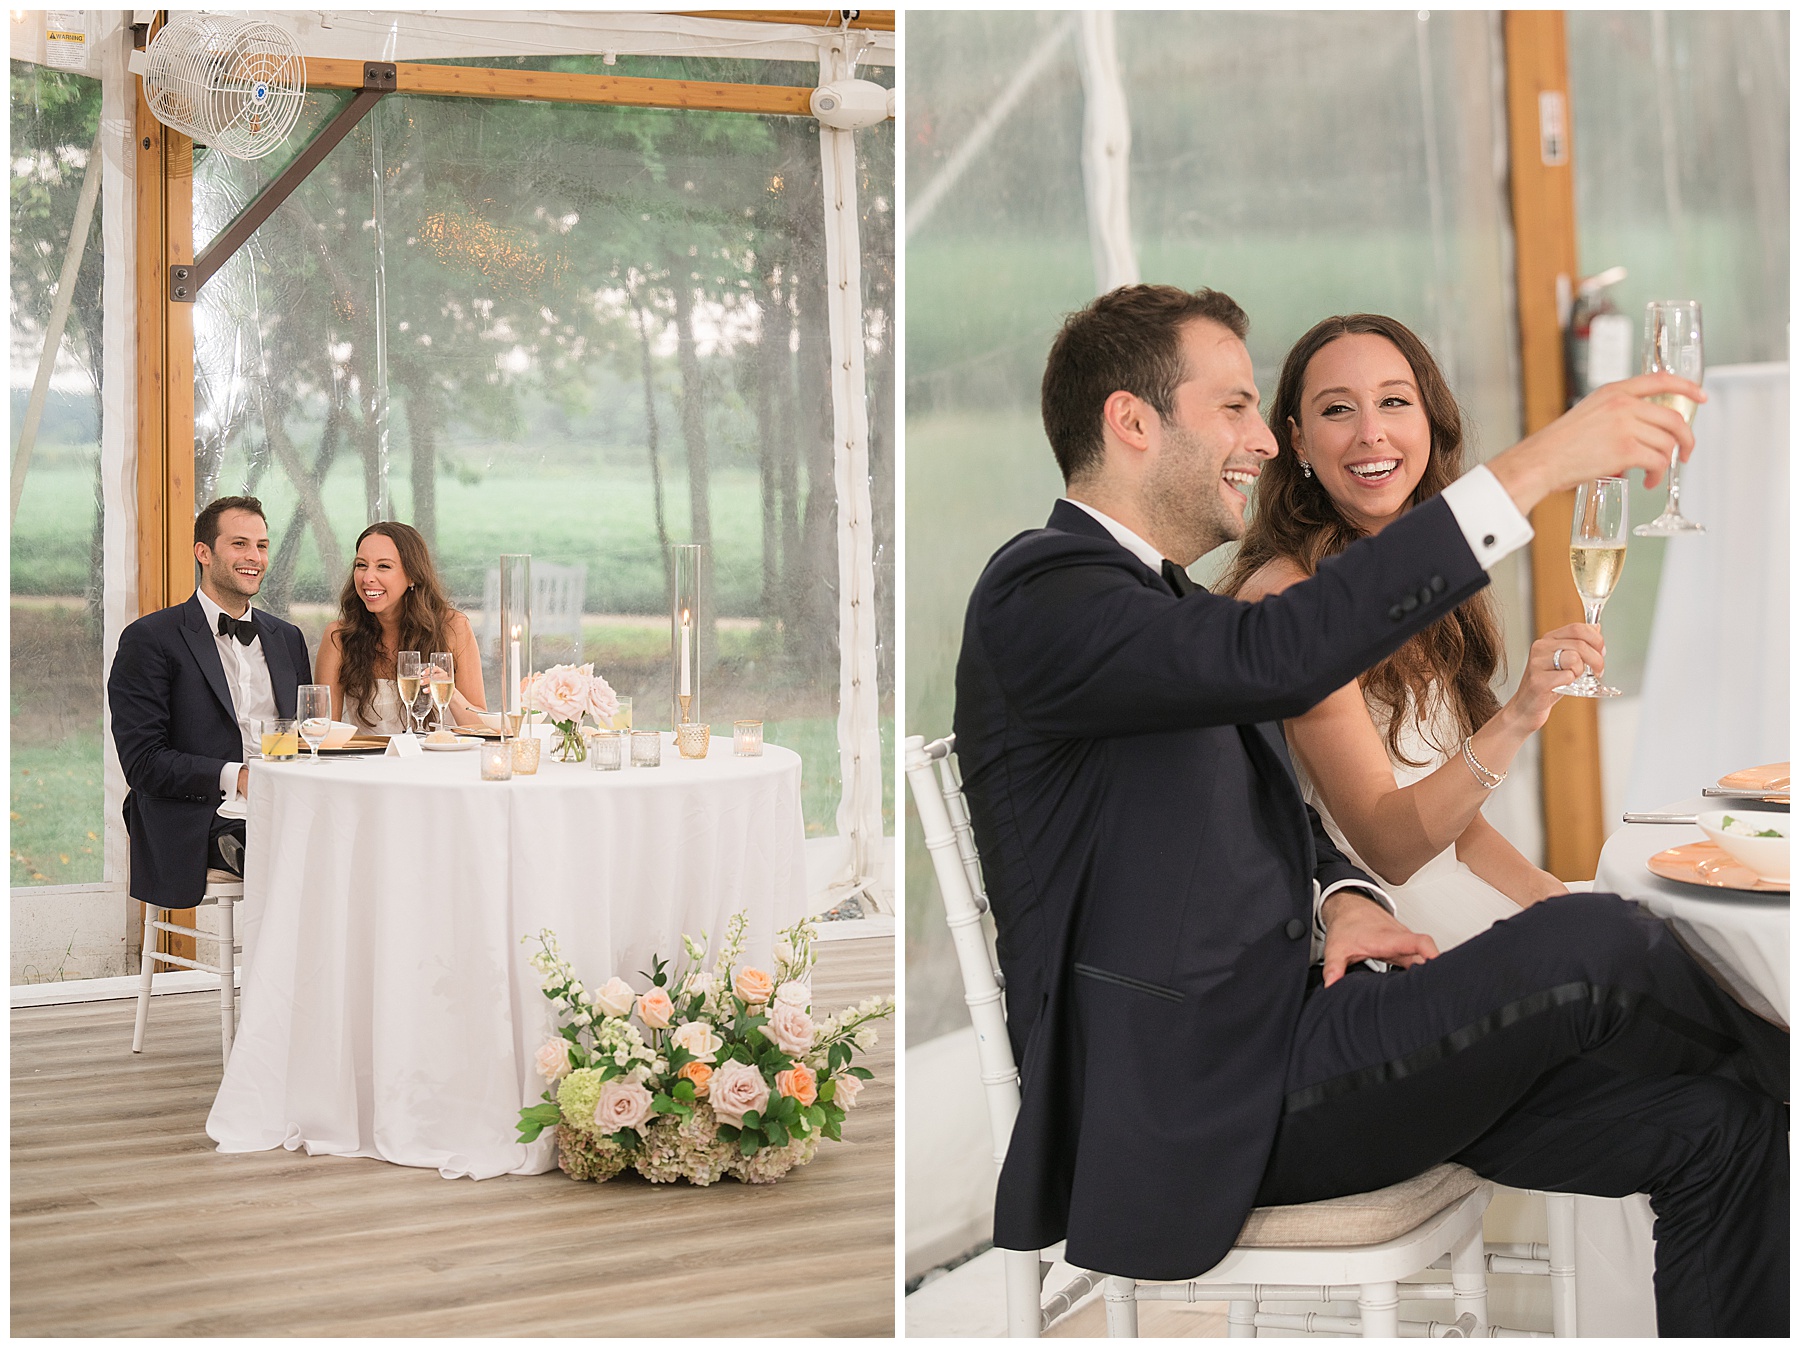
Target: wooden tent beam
557	86
874	20
1543	209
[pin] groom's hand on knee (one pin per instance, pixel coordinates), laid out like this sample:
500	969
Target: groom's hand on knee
1357	928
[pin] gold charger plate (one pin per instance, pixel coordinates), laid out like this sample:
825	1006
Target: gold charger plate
1706	863
1773	778
358	744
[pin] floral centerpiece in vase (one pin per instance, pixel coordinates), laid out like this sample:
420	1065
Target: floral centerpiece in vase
566	694
708	1072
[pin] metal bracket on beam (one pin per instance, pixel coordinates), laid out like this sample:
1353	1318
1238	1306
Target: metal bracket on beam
379	79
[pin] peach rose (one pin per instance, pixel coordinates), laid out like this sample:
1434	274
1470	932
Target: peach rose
697	1037
698	1073
602	700
790	1028
561	692
753	985
553	1059
737	1088
799	1082
615	998
655	1009
848	1088
794	993
624	1103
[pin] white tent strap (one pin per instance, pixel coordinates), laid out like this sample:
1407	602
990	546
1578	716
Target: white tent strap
1106	153
859	725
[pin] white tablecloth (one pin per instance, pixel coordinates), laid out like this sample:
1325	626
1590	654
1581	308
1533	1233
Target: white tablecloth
1742	936
388	1006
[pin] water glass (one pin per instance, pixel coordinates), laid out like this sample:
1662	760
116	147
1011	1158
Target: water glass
313	709
646	748
746	739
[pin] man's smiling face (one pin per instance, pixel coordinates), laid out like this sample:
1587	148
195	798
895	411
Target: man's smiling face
234	565
1210	449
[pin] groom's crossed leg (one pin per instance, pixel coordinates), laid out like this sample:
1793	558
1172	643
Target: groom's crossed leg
1575	1047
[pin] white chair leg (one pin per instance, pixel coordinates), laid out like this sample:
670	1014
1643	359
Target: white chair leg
1560	1210
1121	1308
1240	1320
227	961
144	979
1379	1306
1024	1287
1468	1279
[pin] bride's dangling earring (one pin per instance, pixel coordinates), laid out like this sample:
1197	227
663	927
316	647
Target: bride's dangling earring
1305	468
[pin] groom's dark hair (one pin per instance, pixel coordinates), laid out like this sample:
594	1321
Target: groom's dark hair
1129	339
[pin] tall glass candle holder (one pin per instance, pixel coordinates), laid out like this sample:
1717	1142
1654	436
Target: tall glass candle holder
515	632
686	561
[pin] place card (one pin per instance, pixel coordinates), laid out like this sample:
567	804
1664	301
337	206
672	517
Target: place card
404	745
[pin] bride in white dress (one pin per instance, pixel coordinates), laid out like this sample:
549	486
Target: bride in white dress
1399	764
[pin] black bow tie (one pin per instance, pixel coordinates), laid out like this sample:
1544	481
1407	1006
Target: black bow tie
244	629
1177	578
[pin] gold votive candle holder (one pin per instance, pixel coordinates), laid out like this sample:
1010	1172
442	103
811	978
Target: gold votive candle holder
496	761
525	755
646	748
693	738
746	739
606	751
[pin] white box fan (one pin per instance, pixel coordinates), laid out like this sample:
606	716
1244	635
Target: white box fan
233	84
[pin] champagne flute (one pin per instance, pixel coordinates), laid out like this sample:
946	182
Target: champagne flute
1672	332
1597	557
407	677
314	709
443	682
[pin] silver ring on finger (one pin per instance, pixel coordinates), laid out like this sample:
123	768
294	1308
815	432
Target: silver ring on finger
1556	659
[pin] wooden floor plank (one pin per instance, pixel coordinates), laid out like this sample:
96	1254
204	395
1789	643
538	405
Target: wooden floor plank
115	1185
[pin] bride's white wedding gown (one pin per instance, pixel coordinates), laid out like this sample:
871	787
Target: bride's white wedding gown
1444	898
1449	902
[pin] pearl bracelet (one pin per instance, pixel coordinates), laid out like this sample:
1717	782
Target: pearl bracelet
1488	780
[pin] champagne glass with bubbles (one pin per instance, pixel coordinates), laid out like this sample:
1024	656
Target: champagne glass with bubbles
1672	335
407	677
1597	557
443	682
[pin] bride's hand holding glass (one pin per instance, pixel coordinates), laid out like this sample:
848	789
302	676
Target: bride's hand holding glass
1562	652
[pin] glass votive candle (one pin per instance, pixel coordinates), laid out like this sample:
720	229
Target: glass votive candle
606	751
646	748
693	738
279	739
525	754
746	739
496	761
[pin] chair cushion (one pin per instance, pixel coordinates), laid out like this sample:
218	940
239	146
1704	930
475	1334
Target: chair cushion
1360	1219
215	877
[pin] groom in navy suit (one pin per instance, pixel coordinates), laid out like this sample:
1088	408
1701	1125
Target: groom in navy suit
185	686
1155	875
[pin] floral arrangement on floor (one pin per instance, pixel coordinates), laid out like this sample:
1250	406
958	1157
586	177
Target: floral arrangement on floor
708	1072
565	694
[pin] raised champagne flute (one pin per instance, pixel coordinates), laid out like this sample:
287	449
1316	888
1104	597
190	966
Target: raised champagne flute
408	676
1597	557
443	682
1673	346
314	710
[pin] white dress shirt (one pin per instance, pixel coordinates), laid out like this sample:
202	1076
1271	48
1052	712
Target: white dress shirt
1494	528
252	694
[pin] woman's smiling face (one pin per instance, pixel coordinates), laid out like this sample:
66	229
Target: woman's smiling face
1363	428
380	579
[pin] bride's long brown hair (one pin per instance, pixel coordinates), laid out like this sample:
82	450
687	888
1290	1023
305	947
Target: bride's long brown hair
1296	519
424	614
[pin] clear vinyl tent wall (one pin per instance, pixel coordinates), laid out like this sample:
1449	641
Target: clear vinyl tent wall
584	331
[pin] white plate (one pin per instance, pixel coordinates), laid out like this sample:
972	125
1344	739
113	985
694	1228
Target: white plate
460	742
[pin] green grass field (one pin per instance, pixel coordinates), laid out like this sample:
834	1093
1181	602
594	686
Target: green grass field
56	812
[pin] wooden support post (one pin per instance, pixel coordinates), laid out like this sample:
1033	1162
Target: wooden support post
1543	207
165	416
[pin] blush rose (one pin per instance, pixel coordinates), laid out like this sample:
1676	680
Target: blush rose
623	1104
737	1088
